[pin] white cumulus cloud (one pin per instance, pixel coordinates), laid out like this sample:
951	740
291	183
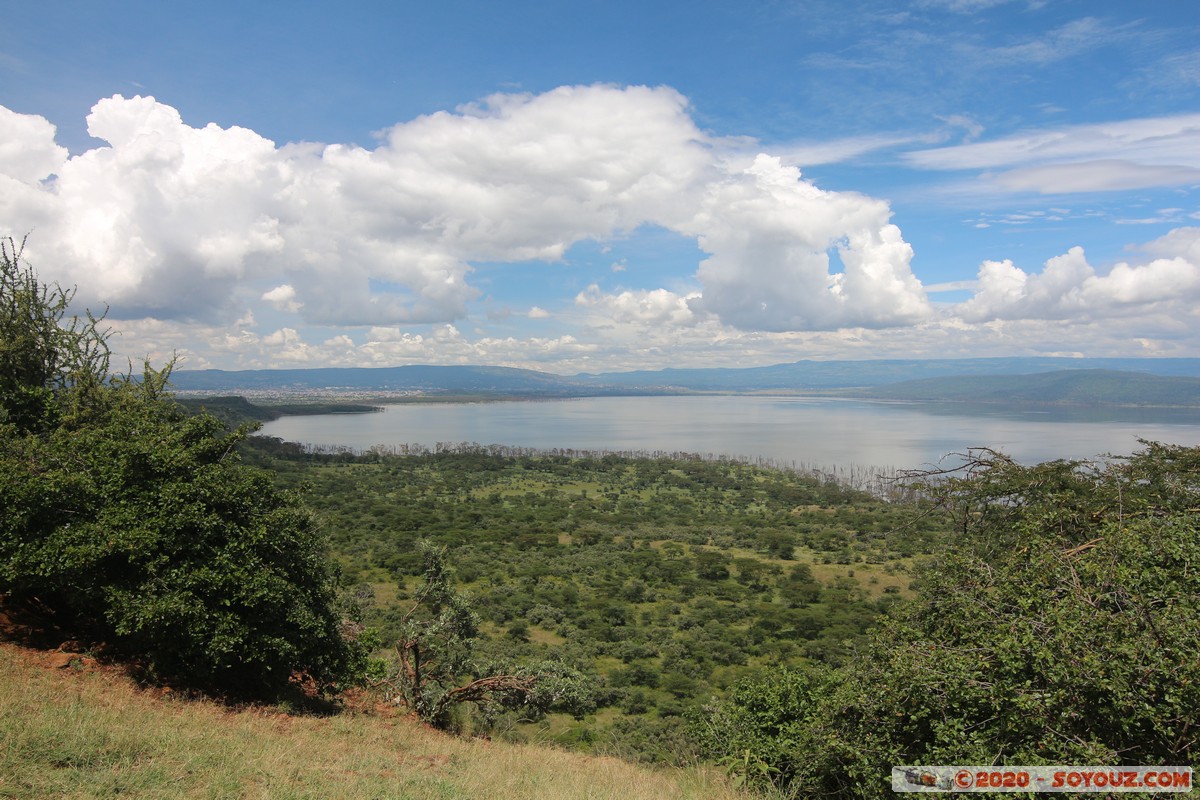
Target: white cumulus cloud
283	298
175	222
770	234
1068	287
27	150
653	307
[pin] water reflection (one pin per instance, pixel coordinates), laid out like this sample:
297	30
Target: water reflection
801	430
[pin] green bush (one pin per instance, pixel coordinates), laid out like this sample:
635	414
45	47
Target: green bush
135	525
1062	629
436	654
757	730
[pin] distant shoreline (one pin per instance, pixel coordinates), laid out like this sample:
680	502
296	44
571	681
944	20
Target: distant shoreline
310	402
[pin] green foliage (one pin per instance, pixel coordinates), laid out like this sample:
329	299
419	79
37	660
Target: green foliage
664	580
136	526
757	730
435	645
41	350
436	650
1062	628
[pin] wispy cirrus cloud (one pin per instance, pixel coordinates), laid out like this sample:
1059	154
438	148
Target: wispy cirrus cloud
836	151
969	6
1062	43
1155	140
1114	156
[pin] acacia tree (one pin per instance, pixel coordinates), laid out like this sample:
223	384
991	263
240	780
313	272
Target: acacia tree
1061	626
129	523
435	653
42	351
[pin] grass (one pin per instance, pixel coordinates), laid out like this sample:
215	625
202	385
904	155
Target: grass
76	732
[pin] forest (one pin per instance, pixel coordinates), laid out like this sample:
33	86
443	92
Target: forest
664	580
803	635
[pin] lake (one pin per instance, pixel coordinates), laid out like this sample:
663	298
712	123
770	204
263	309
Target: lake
804	431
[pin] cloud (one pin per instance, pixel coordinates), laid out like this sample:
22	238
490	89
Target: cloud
164	221
656	307
175	222
1074	37
446	344
1158	140
1129	154
971	128
286	345
770	234
1162	216
28	157
1145	306
1068	287
1107	175
1155	140
283	298
27	150
1179	243
167	220
962	6
836	151
189	233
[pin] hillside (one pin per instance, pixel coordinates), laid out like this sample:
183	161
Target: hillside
1066	387
70	729
236	410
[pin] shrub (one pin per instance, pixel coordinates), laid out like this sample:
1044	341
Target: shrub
436	654
1062	628
136	525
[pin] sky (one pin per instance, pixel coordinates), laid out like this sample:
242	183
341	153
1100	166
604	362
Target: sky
601	186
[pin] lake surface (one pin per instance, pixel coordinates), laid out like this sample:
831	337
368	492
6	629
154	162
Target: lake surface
809	432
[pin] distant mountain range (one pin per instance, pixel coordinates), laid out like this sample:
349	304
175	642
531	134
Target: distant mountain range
1092	381
424	379
845	374
1084	387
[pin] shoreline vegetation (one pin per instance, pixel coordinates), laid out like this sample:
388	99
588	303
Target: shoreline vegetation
883	482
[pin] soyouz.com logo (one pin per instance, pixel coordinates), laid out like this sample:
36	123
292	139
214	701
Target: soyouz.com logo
1041	779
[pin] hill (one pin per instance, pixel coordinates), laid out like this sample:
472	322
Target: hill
72	729
509	382
414	378
235	410
1066	387
800	375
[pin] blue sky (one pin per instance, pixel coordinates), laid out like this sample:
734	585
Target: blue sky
599	186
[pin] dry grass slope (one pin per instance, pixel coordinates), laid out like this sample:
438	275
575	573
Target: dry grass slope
81	733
